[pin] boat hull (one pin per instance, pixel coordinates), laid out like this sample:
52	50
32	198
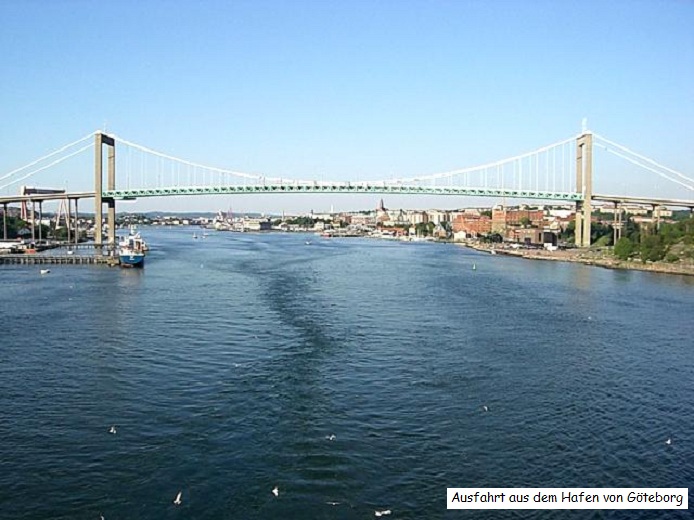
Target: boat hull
134	260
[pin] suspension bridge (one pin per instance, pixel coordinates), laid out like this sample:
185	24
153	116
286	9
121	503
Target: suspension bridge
561	172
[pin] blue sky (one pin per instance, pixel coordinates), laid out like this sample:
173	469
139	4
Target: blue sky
345	90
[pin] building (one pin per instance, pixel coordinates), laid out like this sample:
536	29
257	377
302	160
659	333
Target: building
418	217
257	224
438	216
503	218
473	226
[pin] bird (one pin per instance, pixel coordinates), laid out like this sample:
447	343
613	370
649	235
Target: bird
485	408
382	513
668	441
177	500
276	491
112	430
330	437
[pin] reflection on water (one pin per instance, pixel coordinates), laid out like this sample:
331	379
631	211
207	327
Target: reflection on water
228	363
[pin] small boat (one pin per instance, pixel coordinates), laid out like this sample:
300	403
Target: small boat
308	242
45	271
195	235
474	267
70	252
131	251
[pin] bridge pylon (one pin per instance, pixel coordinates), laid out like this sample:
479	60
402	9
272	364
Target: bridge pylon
584	185
101	139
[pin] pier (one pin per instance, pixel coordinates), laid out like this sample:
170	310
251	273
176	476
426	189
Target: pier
23	259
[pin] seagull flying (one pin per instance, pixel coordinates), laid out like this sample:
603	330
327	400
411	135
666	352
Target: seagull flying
275	491
177	500
669	441
330	437
485	408
112	430
382	513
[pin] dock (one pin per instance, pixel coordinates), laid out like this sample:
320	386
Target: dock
58	259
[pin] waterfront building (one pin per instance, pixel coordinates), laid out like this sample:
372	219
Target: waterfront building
473	226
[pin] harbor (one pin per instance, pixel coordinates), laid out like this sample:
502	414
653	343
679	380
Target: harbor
21	259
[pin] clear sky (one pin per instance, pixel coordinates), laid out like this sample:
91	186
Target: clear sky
344	90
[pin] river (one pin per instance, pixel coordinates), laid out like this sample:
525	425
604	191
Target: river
352	374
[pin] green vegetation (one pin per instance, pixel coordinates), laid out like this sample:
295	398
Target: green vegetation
651	245
624	248
14	226
304	222
600	234
568	234
492	238
424	229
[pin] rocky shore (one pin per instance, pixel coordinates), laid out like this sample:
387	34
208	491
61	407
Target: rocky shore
600	258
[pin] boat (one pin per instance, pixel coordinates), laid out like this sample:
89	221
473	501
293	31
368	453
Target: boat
131	251
45	271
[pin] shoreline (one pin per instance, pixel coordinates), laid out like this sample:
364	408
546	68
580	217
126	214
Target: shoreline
586	257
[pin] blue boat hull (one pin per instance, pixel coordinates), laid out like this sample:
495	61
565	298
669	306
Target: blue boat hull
136	260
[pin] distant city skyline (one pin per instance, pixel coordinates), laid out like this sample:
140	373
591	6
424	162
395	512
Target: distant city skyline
344	91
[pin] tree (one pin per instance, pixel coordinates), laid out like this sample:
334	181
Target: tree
652	248
600	231
14	226
525	221
632	230
624	248
569	234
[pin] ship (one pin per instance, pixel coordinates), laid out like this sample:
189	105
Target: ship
131	251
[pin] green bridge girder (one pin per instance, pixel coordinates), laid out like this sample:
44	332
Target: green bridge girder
339	188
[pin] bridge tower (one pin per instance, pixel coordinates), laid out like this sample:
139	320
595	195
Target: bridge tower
101	139
584	185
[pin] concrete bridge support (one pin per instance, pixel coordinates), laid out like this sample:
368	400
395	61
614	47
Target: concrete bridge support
77	226
100	140
617	224
4	221
584	185
33	221
40	220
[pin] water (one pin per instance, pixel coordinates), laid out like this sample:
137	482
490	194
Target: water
227	364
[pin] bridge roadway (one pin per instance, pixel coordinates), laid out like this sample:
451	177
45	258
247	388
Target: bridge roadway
10	199
377	188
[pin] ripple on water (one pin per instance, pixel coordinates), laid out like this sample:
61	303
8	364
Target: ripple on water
229	380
